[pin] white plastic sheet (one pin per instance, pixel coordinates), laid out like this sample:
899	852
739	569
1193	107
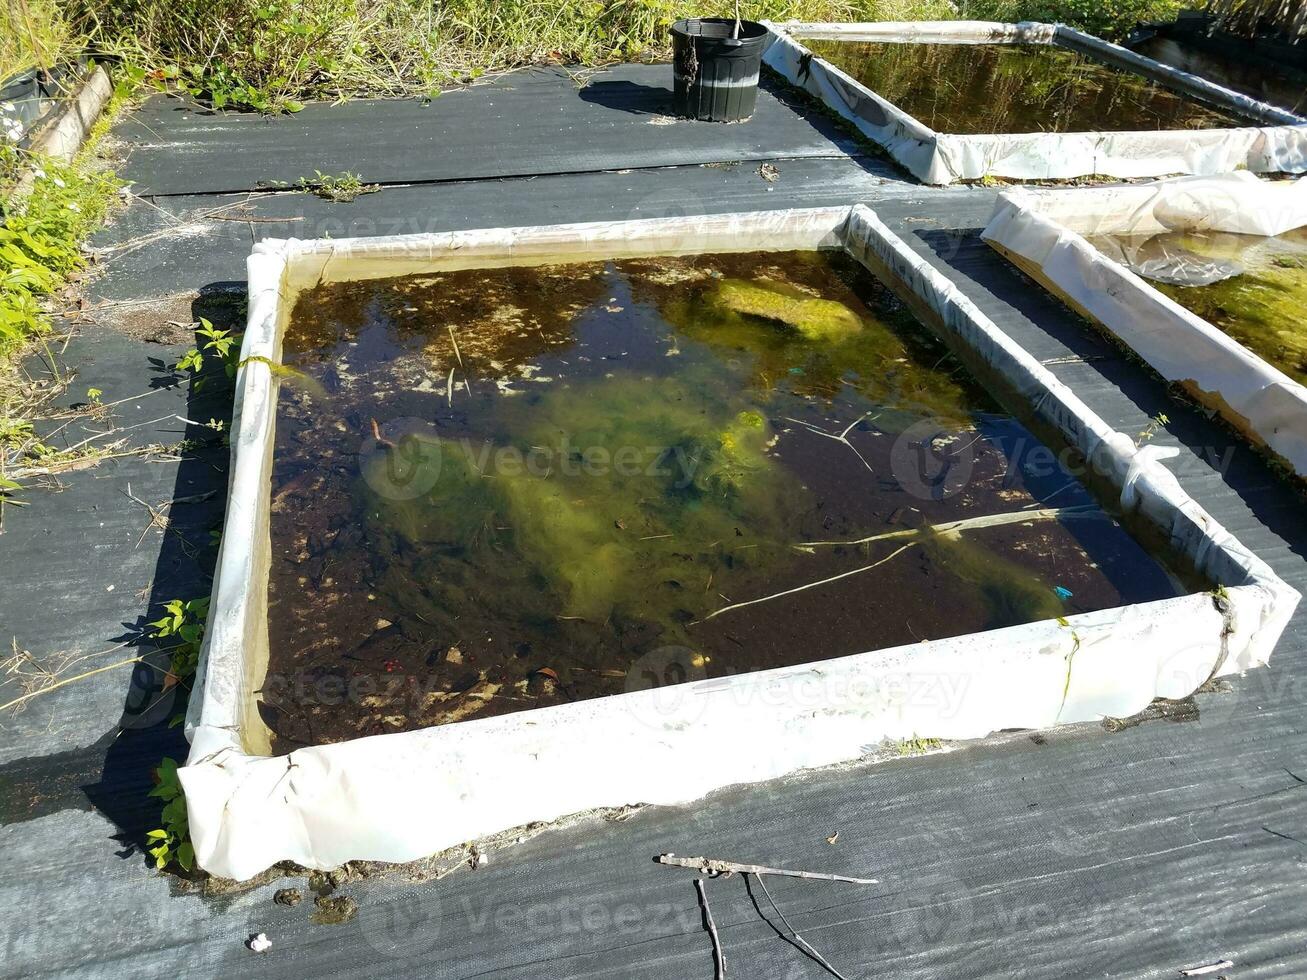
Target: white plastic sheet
1045	232
1278	145
402	796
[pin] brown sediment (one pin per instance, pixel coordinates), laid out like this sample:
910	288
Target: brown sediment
631	447
971	89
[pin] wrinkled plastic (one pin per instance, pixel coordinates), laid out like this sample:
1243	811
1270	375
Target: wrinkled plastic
1046	233
400	797
1278	144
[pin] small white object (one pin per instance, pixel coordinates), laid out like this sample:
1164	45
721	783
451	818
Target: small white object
259	943
1198	971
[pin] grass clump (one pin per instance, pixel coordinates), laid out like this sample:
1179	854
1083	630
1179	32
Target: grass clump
274	55
34	34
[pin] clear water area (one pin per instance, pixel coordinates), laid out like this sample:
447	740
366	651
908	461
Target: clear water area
629	450
968	89
1252	288
1259	77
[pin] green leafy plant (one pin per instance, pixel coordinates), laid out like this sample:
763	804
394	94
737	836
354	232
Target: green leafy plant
182	624
171	843
222	344
40	246
343	188
1154	426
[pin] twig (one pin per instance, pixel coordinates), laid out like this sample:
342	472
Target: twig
1082	512
715	866
810	585
68	680
250	219
719	958
842	437
799	940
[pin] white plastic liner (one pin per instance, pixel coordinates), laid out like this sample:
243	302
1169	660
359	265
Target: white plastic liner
1278	145
399	797
1044	233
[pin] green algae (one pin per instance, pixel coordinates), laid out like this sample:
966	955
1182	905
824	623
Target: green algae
1011	593
815	319
1014	88
609	490
798	343
1259	303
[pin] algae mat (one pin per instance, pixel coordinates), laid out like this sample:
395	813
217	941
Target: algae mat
504	489
971	89
1254	289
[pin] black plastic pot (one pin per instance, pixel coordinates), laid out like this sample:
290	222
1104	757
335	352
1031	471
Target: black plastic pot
716	74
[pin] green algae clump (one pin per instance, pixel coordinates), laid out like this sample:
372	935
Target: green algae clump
796	343
815	319
619	496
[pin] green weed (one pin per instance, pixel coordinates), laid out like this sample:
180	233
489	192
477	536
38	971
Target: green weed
40	246
171	843
343	188
222	344
183	625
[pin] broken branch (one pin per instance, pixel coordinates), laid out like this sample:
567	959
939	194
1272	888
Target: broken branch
714	866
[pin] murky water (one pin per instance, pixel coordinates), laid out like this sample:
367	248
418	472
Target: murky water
1014	88
1259	77
1252	288
504	489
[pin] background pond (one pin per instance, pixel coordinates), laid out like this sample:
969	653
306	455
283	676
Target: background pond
970	89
